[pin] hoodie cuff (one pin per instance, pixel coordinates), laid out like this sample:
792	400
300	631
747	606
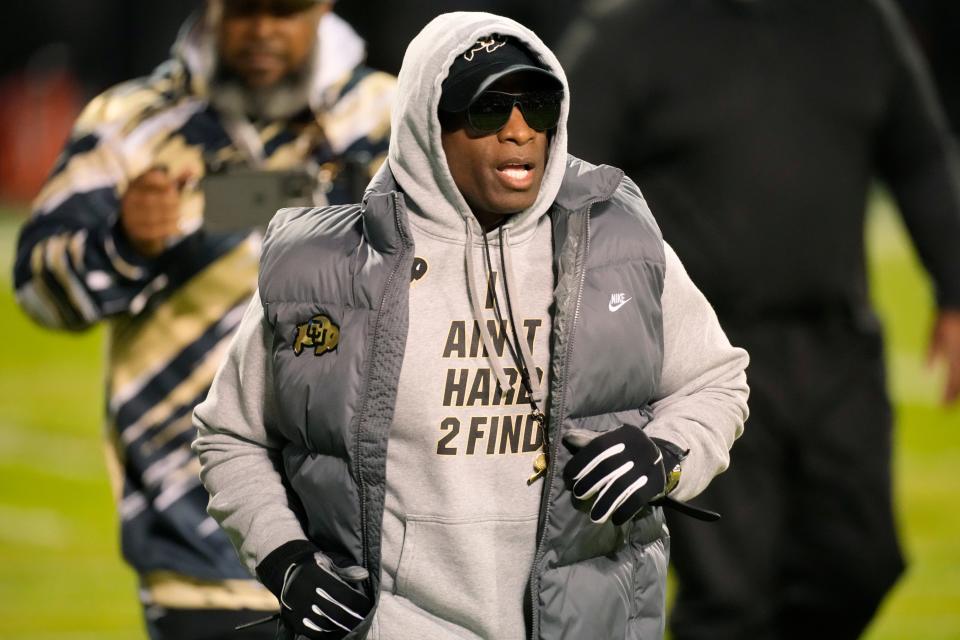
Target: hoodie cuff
273	568
672	457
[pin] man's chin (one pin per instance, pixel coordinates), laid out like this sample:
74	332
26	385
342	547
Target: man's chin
513	206
261	79
260	97
518	201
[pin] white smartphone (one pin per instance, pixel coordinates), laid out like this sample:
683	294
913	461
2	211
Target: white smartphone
246	199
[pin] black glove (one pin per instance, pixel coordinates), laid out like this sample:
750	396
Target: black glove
623	468
316	599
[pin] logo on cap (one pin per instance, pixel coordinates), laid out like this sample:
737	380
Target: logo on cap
490	45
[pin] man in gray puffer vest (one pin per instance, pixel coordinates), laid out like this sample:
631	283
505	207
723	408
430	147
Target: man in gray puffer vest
454	410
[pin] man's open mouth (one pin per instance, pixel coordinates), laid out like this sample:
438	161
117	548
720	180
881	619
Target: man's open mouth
516	171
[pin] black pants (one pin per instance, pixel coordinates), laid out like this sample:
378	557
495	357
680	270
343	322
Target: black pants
207	624
807	546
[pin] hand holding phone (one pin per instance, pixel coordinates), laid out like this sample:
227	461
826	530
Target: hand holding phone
150	210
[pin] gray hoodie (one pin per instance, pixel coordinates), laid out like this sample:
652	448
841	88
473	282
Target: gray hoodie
460	517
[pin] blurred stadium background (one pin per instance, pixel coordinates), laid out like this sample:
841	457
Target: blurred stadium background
60	570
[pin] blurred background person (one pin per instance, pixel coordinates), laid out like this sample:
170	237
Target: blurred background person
254	88
755	129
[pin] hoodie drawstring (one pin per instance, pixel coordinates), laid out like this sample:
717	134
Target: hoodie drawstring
519	349
476	307
526	366
534	379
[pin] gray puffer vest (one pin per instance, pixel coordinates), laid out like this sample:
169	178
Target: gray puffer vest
352	265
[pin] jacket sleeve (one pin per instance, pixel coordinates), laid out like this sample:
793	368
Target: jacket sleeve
918	159
701	404
239	449
73	265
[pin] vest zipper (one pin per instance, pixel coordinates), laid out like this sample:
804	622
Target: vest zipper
556	419
363	412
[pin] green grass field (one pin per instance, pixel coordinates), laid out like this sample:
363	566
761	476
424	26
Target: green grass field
61	576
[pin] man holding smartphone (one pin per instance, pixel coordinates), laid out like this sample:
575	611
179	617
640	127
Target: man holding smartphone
118	236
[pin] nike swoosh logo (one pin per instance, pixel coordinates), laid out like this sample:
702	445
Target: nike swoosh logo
616	307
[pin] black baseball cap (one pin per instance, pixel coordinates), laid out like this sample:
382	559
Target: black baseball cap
485	62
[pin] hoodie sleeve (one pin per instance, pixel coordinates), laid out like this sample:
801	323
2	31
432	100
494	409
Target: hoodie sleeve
239	448
701	404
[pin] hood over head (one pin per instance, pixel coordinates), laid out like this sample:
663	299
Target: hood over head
416	157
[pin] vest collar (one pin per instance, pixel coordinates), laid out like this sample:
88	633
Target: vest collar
583	184
383	211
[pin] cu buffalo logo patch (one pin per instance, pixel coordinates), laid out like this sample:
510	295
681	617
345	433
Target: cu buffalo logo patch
319	333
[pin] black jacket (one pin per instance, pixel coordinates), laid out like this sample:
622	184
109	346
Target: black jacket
755	130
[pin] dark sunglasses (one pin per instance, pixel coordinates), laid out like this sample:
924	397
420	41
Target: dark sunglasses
491	110
279	8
